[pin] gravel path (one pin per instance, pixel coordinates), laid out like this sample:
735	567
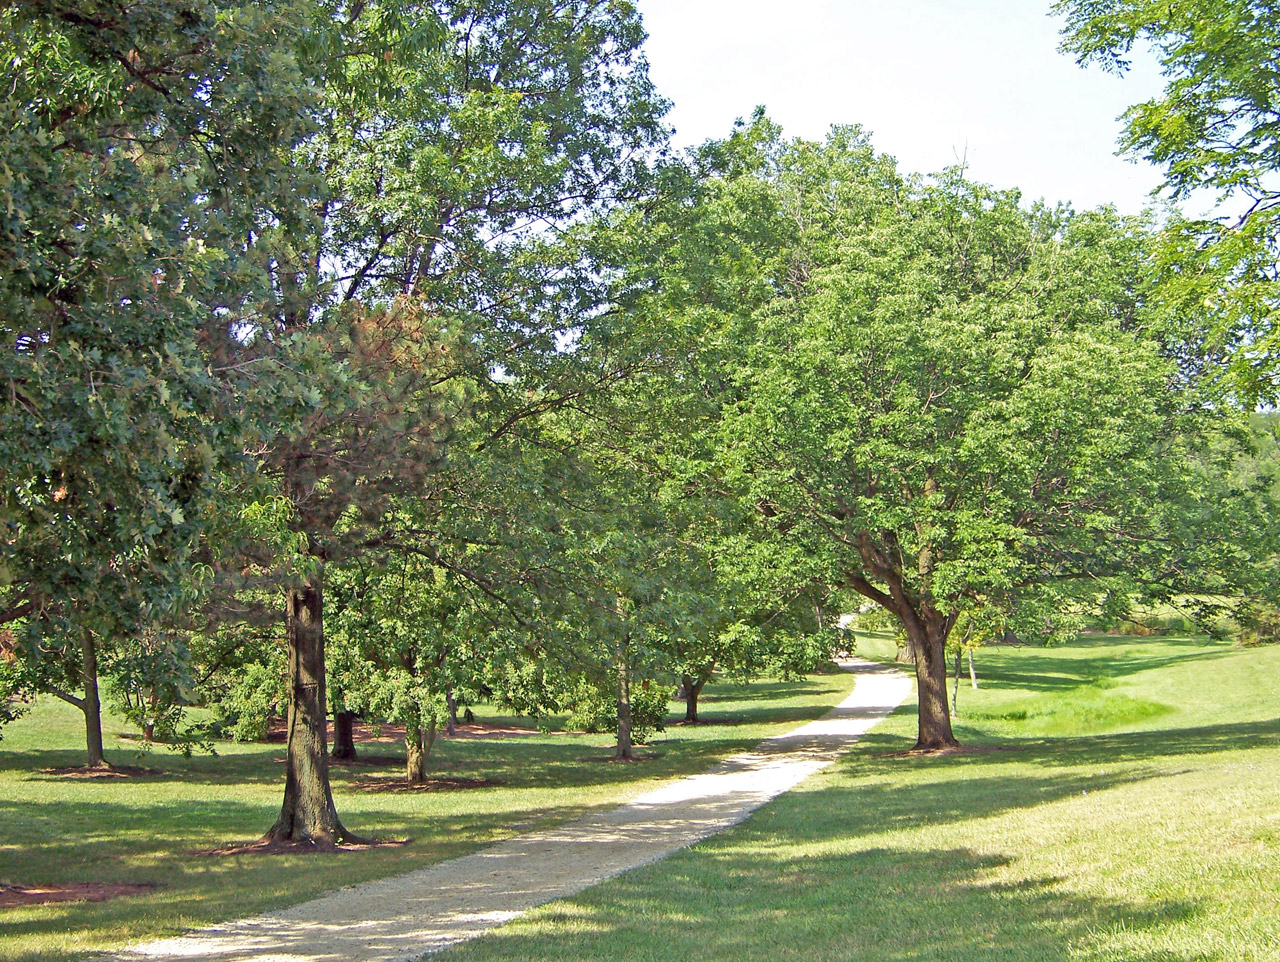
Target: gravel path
408	916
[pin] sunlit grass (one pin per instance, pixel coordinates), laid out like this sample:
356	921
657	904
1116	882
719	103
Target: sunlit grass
145	829
1152	837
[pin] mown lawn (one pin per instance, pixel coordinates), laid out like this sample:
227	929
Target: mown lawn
1124	804
55	829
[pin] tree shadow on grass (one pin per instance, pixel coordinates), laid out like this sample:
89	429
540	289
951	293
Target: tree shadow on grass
875	905
802	879
1041	670
131	843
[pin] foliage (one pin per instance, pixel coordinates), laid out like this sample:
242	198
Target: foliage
1259	623
257	693
112	254
591	710
1215	126
151	684
14	701
953	406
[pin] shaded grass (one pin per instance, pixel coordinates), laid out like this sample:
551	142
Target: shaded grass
1152	837
145	829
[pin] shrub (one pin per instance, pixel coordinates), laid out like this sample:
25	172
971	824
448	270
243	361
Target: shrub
591	710
1259	624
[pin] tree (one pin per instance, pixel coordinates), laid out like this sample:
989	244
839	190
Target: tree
954	405
453	139
1216	126
139	139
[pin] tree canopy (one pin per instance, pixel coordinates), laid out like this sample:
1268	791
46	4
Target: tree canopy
1216	126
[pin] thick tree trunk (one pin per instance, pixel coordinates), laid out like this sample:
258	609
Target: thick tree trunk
344	736
308	813
417	745
451	726
934	730
91	704
906	654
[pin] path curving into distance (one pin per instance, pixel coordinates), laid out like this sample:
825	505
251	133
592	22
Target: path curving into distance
408	916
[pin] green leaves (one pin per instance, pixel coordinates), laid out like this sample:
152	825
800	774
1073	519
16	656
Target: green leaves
1216	127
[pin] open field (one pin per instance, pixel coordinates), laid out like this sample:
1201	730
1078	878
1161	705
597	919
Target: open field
145	829
1125	806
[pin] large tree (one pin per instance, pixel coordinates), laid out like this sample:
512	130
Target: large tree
454	140
140	141
1215	127
953	406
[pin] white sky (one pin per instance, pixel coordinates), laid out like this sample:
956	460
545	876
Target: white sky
932	80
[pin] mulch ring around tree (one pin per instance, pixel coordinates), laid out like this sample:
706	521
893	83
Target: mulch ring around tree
399	785
271	846
363	733
957	750
15	895
115	771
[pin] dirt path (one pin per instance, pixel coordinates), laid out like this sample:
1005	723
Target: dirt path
408	916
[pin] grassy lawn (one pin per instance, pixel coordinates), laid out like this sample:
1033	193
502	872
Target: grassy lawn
145	829
1124	805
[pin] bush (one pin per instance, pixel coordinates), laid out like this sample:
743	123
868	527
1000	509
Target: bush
1259	624
591	710
258	695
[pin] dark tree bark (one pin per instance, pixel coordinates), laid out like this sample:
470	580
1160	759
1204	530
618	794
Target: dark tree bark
927	631
344	740
930	644
451	726
308	813
91	704
417	744
691	689
623	751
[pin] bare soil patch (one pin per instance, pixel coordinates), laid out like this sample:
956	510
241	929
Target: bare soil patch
14	895
938	752
398	786
363	733
115	771
271	846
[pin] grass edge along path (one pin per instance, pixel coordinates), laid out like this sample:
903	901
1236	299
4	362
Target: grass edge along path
1078	828
145	829
409	915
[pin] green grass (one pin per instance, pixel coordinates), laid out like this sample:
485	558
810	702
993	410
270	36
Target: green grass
1124	806
145	829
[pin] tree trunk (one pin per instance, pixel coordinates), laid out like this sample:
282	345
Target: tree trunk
623	750
91	704
973	675
417	746
451	726
906	654
308	813
934	730
344	740
955	686
691	689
